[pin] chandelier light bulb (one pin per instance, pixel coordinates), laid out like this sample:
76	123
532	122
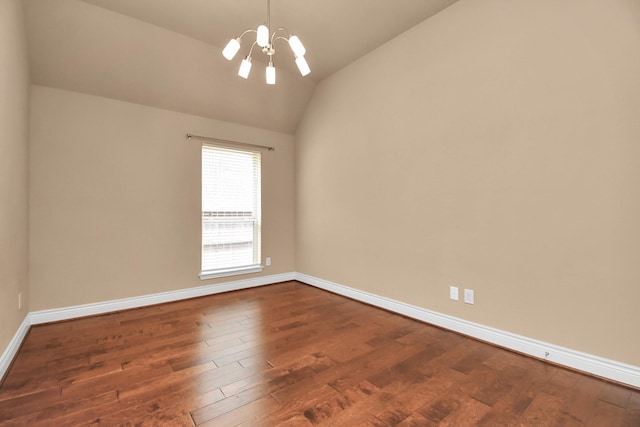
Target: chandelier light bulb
271	74
302	65
262	38
245	68
296	46
231	48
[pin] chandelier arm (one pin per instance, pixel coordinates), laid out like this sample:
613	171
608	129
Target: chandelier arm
273	35
245	32
279	38
251	49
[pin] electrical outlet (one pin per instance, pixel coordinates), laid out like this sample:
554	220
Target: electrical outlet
468	296
453	293
267	261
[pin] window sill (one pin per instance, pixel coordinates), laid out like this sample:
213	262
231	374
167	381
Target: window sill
213	274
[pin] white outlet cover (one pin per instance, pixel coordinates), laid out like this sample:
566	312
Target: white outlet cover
468	296
453	293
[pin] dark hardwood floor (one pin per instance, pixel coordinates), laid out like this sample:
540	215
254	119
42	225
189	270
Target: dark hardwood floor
289	355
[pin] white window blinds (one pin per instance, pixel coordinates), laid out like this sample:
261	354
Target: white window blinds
231	218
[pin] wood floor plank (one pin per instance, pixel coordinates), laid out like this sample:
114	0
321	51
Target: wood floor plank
632	415
14	407
65	412
232	403
289	355
250	414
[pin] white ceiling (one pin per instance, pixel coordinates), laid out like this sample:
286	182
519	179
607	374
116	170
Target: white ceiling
166	53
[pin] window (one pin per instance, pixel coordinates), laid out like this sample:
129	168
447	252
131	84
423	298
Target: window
230	211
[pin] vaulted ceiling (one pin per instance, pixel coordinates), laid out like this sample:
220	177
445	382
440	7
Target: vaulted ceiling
167	53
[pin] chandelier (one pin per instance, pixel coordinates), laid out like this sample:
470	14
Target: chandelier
266	43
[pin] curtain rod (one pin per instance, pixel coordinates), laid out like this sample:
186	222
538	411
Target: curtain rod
226	141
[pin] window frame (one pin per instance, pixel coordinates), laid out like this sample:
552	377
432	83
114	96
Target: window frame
256	266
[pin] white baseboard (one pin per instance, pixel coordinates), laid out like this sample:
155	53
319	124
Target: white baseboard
66	313
14	346
57	314
610	369
605	368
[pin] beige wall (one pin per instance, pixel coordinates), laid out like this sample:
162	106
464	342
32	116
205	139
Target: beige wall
115	198
495	147
14	207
